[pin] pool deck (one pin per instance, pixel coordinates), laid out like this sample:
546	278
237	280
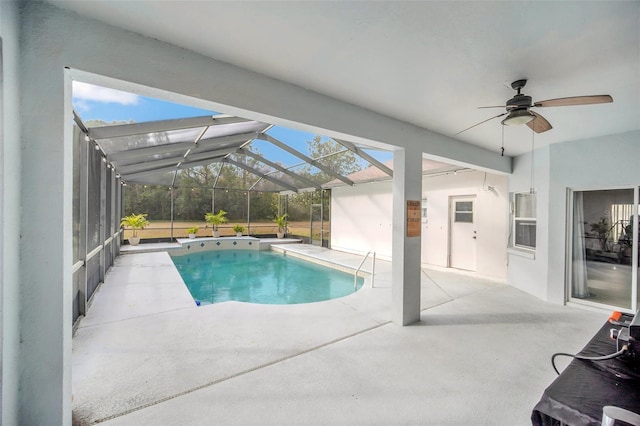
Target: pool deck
145	354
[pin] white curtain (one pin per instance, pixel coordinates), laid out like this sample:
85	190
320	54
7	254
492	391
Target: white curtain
579	257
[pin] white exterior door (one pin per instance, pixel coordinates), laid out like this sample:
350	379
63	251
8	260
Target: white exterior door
462	238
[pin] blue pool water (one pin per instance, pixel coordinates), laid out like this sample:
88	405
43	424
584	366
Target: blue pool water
260	277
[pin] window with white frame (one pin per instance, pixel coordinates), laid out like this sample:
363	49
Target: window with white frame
524	221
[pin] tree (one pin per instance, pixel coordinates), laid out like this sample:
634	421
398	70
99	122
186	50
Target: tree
333	156
155	200
194	194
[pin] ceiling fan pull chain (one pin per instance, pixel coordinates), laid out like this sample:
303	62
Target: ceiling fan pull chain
502	147
532	189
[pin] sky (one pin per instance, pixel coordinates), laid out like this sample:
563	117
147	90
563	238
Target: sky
109	105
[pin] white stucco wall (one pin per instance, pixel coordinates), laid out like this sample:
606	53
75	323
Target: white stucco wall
361	219
604	163
10	213
599	163
490	218
528	271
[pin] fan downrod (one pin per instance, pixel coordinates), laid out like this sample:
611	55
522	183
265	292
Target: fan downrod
518	84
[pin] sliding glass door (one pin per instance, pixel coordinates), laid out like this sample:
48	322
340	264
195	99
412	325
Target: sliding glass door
603	248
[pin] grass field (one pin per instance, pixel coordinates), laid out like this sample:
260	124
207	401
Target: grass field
162	229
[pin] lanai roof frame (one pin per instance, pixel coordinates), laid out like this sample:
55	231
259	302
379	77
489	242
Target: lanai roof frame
138	150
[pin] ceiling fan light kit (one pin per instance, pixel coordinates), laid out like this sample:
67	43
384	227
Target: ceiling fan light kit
518	117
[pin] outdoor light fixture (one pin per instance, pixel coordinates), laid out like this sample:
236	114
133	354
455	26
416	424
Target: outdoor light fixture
104	159
518	117
97	148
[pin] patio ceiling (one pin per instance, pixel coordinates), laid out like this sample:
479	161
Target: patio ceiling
154	152
427	63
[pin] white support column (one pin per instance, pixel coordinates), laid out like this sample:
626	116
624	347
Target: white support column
103	219
46	254
84	207
119	212
115	216
407	186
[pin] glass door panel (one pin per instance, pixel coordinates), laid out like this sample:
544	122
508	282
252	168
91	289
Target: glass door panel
602	247
636	231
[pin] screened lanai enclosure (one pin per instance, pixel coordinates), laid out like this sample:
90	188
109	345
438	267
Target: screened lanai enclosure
175	171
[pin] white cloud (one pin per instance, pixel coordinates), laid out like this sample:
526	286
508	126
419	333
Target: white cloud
89	92
81	105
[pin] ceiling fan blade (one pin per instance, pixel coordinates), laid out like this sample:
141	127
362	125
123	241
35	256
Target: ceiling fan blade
477	124
575	100
493	106
539	124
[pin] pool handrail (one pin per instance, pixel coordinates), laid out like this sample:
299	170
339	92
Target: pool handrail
373	269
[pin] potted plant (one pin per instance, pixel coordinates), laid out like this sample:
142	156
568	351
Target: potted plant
602	230
281	221
216	219
135	222
192	231
238	229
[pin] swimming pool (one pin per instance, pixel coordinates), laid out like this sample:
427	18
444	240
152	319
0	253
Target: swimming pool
260	277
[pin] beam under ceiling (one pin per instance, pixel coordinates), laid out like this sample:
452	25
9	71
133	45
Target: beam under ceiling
121	130
260	174
303	157
269	163
363	154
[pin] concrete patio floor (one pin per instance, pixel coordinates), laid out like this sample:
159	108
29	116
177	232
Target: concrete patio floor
145	354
